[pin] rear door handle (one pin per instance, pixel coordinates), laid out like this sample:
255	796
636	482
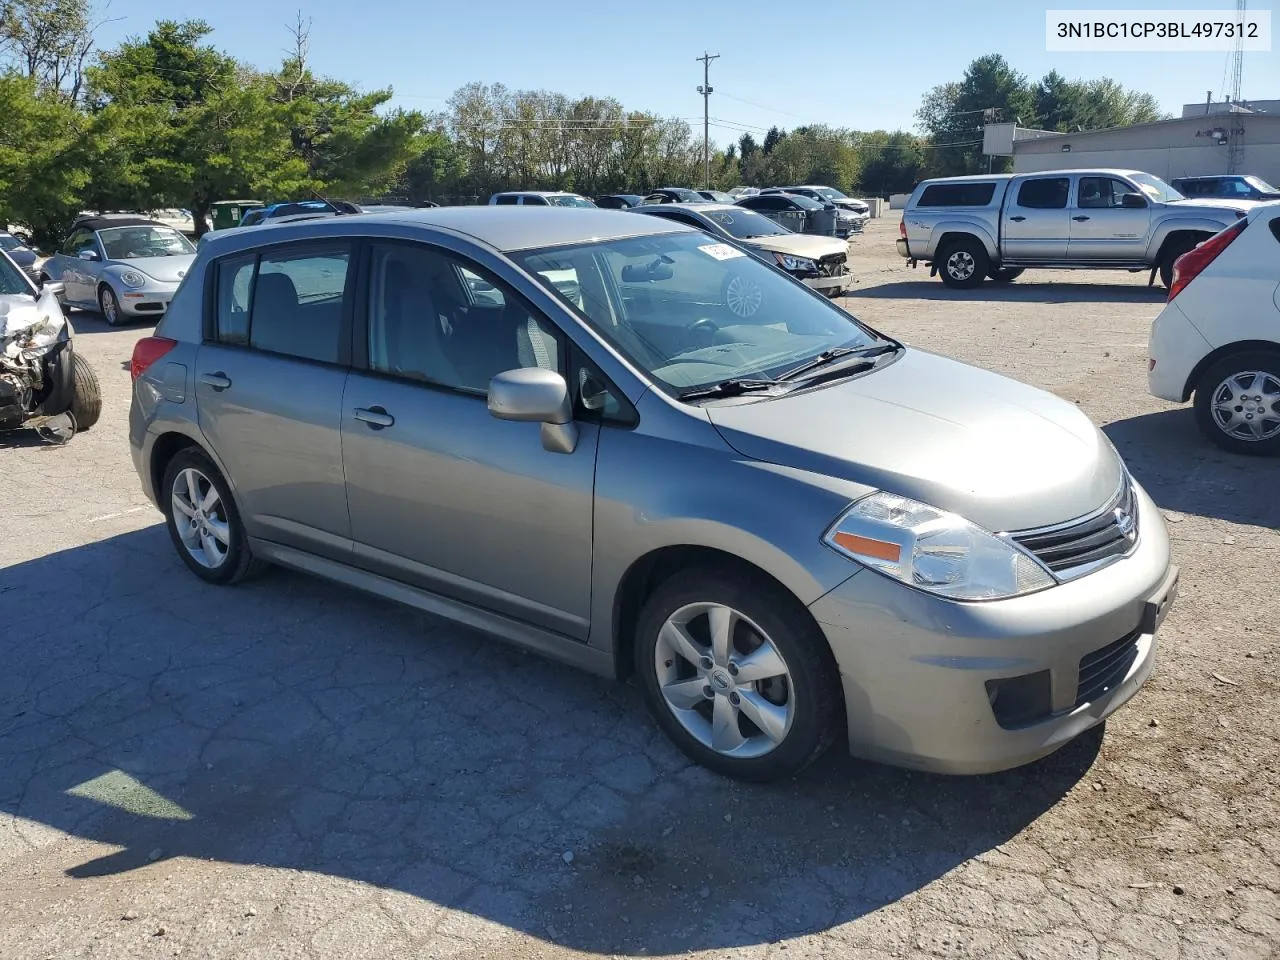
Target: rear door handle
219	381
375	417
1080	219
1017	219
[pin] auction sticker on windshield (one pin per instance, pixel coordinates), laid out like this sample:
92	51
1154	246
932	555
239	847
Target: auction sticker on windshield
721	251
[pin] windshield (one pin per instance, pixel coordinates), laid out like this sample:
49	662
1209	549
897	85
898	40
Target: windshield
11	280
691	312
1156	188
570	201
1261	185
745	224
685	196
135	243
10	242
831	193
806	203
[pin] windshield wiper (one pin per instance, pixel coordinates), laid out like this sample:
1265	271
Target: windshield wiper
838	353
733	387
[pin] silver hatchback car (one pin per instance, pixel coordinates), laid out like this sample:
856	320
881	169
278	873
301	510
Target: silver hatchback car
548	424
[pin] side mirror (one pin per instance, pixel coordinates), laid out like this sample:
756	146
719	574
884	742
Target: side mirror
537	396
1133	201
88	254
56	287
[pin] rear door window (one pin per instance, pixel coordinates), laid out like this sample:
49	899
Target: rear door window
975	194
1044	193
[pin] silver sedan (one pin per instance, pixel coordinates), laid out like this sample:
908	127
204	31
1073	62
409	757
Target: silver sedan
123	266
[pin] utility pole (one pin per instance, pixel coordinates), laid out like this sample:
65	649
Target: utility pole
705	90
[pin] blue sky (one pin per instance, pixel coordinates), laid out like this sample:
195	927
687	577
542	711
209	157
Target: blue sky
863	64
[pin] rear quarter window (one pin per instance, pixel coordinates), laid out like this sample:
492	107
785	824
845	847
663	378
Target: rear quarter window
957	195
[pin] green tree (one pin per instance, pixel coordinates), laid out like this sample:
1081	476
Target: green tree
890	162
952	114
48	41
772	139
747	147
1066	105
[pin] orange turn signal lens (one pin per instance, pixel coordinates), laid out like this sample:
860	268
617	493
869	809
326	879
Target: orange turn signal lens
866	547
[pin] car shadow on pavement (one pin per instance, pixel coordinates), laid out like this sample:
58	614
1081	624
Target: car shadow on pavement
87	322
1184	472
1018	292
291	723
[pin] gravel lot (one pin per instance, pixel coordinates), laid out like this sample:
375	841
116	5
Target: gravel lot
287	769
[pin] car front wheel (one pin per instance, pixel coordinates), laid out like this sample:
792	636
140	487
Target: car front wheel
963	263
737	674
1237	403
110	306
203	521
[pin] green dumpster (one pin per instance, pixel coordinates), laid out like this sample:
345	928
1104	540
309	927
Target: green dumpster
227	213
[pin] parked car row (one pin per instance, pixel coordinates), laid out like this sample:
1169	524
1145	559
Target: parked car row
627	445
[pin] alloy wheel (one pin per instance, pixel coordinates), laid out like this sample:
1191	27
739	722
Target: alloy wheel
1246	406
200	518
724	680
960	265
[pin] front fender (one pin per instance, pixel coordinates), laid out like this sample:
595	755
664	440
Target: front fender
1183	224
972	227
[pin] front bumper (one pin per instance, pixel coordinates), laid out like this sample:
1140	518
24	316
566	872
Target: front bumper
145	302
827	284
918	671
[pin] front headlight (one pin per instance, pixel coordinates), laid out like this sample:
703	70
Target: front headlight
788	262
131	278
41	339
933	550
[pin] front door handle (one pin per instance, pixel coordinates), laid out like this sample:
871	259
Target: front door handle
1080	219
375	417
1017	219
219	381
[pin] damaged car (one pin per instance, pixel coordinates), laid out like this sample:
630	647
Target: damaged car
44	383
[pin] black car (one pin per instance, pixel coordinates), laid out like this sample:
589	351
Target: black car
675	195
619	201
22	255
1231	187
793	211
716	196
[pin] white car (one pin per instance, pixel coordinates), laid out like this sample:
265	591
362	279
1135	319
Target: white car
1218	337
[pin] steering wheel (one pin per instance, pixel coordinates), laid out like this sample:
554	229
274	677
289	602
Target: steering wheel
701	333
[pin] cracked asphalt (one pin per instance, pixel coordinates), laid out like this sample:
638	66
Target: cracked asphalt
289	769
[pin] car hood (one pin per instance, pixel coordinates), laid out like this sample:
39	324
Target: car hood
799	245
1212	203
999	453
19	311
857	206
164	269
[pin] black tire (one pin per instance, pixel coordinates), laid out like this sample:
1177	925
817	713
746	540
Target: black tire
963	263
86	394
1216	384
239	562
813	685
1171	253
109	304
1004	274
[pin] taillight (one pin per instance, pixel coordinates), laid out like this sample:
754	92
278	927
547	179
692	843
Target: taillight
902	228
1190	265
146	352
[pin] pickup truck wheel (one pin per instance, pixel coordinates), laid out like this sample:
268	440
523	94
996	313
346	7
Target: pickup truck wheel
963	263
1004	274
1172	253
1238	403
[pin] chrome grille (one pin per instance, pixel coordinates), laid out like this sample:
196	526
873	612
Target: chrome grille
1074	548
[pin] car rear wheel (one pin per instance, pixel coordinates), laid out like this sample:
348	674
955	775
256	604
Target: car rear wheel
963	263
110	306
86	394
203	521
737	674
1237	403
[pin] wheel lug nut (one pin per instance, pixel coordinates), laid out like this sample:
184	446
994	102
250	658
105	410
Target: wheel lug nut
733	669
708	692
706	663
735	699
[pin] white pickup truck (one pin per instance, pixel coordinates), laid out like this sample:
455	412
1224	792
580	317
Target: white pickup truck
970	229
